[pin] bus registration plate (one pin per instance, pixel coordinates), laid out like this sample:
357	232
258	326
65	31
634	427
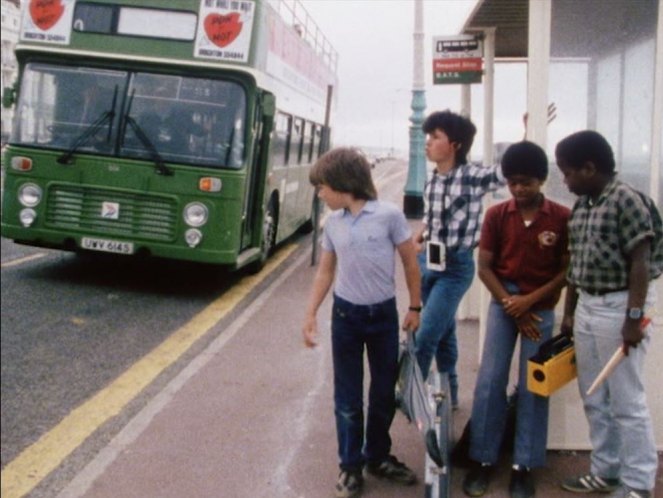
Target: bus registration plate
105	245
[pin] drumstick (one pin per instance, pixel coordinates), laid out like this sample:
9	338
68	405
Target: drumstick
612	363
607	370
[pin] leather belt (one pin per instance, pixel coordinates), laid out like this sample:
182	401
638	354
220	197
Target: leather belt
602	292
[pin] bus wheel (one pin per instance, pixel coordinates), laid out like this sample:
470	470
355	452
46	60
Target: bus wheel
269	230
269	225
308	225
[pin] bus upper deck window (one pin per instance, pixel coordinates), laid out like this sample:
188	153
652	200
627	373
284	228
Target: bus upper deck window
160	22
94	18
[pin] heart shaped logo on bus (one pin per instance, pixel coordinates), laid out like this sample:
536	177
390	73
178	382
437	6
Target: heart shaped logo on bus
222	30
46	13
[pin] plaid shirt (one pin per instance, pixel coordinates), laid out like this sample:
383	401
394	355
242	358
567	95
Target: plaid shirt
453	204
601	233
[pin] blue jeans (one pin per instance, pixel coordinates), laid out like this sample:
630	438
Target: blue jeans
620	426
441	292
490	394
354	327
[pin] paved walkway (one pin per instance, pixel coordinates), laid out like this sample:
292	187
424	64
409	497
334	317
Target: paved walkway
252	417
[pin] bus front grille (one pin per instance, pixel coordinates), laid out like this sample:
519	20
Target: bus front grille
142	216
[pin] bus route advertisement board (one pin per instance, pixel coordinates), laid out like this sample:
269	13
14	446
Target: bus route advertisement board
224	30
48	21
457	59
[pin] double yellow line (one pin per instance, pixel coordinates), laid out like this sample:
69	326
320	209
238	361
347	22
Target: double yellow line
38	460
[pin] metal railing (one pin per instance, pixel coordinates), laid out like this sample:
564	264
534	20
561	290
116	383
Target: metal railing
295	14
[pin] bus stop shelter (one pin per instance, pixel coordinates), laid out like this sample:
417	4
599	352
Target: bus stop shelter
601	63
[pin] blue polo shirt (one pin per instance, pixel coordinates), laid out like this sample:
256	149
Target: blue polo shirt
365	247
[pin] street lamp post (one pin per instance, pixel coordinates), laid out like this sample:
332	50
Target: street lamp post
413	204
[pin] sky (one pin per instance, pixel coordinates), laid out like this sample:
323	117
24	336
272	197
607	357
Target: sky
374	40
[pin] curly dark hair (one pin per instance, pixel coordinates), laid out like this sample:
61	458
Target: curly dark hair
459	129
525	158
588	145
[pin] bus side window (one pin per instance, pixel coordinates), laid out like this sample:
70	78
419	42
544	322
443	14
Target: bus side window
308	142
281	148
315	146
237	145
297	139
314	143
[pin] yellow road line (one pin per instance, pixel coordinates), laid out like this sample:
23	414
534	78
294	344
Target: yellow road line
29	468
19	261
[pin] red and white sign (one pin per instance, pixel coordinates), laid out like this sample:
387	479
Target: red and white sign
457	59
473	64
48	21
224	29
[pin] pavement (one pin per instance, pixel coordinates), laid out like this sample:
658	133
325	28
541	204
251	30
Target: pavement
252	416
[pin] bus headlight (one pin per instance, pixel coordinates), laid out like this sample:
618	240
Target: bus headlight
193	237
195	214
27	216
29	194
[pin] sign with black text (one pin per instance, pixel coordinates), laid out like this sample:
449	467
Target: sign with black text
457	59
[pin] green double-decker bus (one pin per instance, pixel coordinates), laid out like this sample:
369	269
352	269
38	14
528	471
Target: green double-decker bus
181	129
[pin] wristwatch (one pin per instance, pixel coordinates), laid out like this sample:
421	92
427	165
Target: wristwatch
635	313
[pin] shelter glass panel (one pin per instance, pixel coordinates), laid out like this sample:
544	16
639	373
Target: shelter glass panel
614	41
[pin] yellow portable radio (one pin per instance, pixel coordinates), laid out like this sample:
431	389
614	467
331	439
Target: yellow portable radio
553	366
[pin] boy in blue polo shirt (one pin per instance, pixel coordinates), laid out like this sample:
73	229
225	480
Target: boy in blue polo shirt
361	238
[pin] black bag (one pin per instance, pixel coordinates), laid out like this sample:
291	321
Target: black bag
460	455
657	226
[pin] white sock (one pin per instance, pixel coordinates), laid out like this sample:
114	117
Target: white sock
520	467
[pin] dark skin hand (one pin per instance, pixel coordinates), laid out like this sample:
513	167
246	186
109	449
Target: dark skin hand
527	326
633	331
519	305
638	280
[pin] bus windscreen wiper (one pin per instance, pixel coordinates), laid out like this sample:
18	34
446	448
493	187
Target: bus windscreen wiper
160	165
91	131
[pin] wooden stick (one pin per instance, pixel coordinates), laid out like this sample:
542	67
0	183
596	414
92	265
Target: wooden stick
612	362
607	370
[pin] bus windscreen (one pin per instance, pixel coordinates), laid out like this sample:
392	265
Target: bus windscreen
187	120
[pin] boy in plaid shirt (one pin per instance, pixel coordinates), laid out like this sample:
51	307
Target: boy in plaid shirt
616	246
452	215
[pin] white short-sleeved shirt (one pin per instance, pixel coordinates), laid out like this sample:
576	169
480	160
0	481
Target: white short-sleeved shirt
365	247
